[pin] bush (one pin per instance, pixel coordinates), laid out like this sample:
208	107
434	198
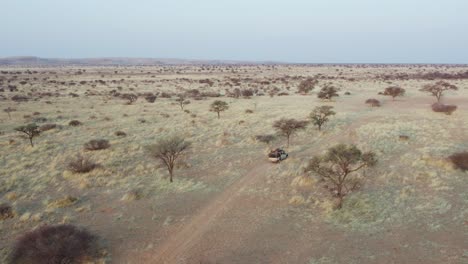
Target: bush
46	127
460	160
443	108
57	244
150	98
6	212
249	111
373	102
75	123
120	133
96	144
267	139
81	164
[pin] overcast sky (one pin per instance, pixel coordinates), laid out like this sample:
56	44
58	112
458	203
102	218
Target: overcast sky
388	31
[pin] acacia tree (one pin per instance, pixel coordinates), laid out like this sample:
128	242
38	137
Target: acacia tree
287	127
168	151
182	101
394	91
219	106
328	92
320	115
307	85
8	110
337	165
437	89
31	130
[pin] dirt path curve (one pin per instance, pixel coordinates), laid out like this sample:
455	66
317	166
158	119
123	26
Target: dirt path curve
172	250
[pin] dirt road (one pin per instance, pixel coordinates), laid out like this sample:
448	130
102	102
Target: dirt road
172	250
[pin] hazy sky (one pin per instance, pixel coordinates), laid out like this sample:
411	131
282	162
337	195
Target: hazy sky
389	31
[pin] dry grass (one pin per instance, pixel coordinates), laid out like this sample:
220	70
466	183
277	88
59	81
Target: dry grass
413	186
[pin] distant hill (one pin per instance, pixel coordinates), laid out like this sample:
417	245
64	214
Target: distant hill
36	61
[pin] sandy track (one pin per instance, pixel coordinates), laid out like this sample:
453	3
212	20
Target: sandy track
172	250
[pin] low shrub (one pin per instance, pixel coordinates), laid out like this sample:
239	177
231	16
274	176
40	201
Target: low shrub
75	123
6	212
46	127
443	108
120	133
249	111
55	244
373	102
460	160
96	144
81	164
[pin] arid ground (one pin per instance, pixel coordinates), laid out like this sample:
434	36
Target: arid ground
227	203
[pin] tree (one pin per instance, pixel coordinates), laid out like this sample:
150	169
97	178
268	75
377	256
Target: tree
8	110
288	127
328	92
168	151
181	100
394	91
31	130
320	115
437	89
218	106
336	166
307	85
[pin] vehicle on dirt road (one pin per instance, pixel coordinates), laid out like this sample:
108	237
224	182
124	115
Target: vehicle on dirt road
277	155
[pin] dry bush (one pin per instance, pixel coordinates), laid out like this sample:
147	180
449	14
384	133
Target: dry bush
373	102
460	160
46	127
307	85
56	244
81	164
74	123
6	212
328	92
19	98
249	111
150	98
443	108
120	133
394	91
267	139
96	144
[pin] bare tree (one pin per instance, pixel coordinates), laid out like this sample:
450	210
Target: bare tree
336	166
437	89
168	151
182	101
320	115
31	130
287	127
218	106
8	110
394	91
328	91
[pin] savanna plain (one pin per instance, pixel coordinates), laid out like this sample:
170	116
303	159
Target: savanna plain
92	163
